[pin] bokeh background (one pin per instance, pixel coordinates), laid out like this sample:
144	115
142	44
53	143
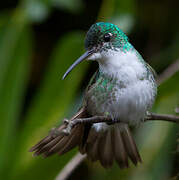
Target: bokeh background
39	39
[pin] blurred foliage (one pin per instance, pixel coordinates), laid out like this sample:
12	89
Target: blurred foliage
38	41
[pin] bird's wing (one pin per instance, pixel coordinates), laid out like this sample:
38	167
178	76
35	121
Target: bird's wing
57	141
151	70
93	80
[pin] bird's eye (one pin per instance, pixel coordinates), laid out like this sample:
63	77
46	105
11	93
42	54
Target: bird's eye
107	37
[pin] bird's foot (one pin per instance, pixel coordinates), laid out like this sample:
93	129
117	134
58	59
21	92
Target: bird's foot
69	126
66	121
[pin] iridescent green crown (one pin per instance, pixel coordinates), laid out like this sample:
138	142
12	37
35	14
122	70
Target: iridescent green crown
96	33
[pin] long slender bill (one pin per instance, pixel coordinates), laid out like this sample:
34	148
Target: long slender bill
80	59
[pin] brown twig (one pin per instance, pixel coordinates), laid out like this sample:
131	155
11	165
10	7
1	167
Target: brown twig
162	117
167	73
108	120
71	166
78	159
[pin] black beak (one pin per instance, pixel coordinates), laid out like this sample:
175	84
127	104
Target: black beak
80	59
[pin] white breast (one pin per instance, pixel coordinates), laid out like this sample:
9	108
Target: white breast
138	95
124	65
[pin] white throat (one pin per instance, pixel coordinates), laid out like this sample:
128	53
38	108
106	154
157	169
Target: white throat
123	65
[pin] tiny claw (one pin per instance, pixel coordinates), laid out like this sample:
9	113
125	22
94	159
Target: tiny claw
66	131
66	121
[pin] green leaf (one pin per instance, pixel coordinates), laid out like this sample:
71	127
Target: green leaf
15	50
49	107
167	55
120	13
36	10
69	5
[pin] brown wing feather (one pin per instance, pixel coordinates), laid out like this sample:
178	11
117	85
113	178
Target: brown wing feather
57	142
73	140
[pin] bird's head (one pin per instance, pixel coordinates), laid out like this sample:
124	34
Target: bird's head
101	38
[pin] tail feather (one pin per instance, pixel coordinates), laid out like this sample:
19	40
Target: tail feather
91	145
119	148
114	142
106	150
93	151
130	145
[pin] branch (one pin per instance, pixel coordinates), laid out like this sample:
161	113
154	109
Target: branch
108	120
167	73
70	167
162	117
78	159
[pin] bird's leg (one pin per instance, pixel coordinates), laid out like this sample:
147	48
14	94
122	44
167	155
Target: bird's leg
69	126
54	132
94	119
72	123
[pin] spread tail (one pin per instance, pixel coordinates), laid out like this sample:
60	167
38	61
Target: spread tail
114	142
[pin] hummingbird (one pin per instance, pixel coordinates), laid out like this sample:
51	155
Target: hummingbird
123	88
